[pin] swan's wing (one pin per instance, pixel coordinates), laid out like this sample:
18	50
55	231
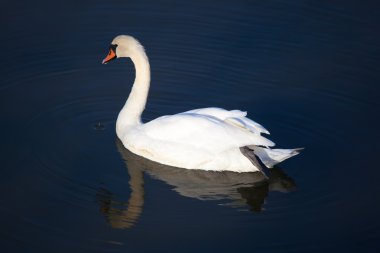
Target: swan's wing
234	117
202	132
219	113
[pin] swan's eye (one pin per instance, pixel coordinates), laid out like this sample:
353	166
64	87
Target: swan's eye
113	47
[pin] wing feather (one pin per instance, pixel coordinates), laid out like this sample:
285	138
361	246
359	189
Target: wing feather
235	117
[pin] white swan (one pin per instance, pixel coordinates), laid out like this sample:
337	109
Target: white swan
206	139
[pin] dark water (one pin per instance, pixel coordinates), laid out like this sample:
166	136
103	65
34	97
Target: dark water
306	70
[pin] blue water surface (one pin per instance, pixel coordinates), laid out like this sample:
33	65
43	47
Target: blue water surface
306	70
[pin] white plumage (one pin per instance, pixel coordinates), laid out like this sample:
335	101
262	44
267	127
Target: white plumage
206	139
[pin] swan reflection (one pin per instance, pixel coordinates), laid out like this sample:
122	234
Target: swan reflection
239	189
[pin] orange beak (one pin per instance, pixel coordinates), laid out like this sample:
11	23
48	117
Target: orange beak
110	56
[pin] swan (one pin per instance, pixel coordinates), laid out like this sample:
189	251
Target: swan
211	139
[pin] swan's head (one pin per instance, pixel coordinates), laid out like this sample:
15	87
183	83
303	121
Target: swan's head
123	46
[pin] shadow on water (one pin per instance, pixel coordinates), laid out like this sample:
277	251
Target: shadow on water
240	189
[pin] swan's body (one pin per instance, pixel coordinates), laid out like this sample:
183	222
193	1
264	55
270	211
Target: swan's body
206	139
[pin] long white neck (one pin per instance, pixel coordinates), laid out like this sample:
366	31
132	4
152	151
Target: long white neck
130	115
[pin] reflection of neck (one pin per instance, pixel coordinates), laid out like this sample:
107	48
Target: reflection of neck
130	115
127	218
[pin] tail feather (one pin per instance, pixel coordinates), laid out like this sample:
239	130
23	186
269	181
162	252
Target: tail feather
270	157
